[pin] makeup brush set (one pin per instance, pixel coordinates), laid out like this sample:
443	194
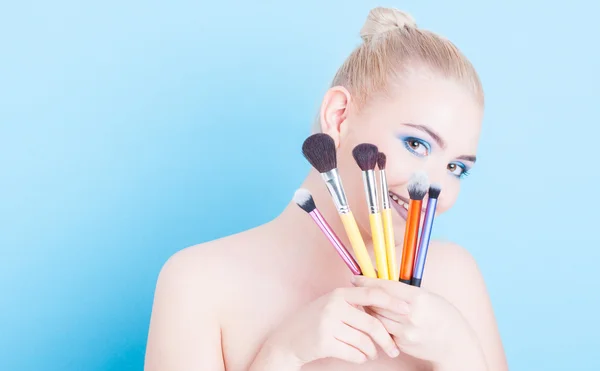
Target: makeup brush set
319	149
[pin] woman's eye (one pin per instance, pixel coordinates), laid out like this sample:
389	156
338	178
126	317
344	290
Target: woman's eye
457	170
417	146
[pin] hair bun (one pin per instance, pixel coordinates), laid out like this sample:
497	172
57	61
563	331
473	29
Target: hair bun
381	20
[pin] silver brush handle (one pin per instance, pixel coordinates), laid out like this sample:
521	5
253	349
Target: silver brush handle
371	191
334	185
385	197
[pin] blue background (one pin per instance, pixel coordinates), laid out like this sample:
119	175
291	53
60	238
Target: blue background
130	130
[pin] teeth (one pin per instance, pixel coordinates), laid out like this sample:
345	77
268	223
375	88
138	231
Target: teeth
402	203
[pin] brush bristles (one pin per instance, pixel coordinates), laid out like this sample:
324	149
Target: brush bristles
365	155
418	186
319	150
304	199
381	160
434	190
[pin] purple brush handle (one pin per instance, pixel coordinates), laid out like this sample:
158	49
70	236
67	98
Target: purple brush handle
335	241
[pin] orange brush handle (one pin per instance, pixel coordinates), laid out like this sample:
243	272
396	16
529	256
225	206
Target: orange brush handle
410	240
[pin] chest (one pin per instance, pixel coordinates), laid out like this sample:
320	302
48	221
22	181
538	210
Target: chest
402	363
250	323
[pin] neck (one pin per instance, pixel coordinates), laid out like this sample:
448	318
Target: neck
298	230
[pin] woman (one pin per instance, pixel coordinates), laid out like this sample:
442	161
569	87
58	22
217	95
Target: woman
278	297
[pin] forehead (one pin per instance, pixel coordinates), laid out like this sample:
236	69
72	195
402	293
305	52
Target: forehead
445	106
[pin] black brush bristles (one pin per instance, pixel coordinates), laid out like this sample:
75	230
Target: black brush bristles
418	186
381	160
434	190
365	155
319	150
304	199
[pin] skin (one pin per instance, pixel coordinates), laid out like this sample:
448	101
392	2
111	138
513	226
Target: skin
278	297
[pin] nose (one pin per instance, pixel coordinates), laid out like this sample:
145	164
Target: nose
437	174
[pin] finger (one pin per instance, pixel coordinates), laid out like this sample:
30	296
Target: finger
372	297
371	326
401	316
404	334
341	350
394	328
398	289
378	299
356	339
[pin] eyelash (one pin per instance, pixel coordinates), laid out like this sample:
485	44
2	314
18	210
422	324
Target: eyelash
465	171
411	140
408	140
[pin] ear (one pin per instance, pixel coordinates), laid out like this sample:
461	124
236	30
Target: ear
334	112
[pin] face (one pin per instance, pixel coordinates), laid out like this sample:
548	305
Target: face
427	124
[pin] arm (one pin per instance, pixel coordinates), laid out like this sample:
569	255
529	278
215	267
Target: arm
184	330
467	292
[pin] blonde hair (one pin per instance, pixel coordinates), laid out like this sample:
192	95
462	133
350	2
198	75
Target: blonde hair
393	46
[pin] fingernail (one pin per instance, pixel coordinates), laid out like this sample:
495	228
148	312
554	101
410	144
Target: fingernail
354	279
403	308
394	353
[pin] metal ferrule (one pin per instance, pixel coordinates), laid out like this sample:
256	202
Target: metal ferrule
371	191
336	190
385	192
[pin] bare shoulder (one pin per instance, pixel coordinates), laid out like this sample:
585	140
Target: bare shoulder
192	288
198	261
449	263
209	269
190	269
443	249
452	272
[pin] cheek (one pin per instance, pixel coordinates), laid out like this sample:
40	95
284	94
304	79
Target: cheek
402	166
448	196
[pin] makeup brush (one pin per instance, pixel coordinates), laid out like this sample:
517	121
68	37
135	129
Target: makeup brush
386	215
417	189
365	155
319	150
434	193
304	199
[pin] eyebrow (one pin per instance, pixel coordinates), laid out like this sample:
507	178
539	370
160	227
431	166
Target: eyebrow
467	158
439	140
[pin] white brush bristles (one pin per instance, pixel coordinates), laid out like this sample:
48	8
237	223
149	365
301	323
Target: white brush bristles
301	196
418	186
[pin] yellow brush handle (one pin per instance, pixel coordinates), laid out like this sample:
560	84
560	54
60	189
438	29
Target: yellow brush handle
390	245
379	245
358	245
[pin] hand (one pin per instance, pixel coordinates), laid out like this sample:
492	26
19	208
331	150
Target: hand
426	326
333	326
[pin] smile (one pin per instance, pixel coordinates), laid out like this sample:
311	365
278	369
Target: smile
400	204
402	201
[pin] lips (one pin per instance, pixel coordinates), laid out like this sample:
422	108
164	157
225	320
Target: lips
399	208
400	204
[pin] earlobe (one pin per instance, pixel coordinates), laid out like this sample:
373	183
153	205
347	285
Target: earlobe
334	111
